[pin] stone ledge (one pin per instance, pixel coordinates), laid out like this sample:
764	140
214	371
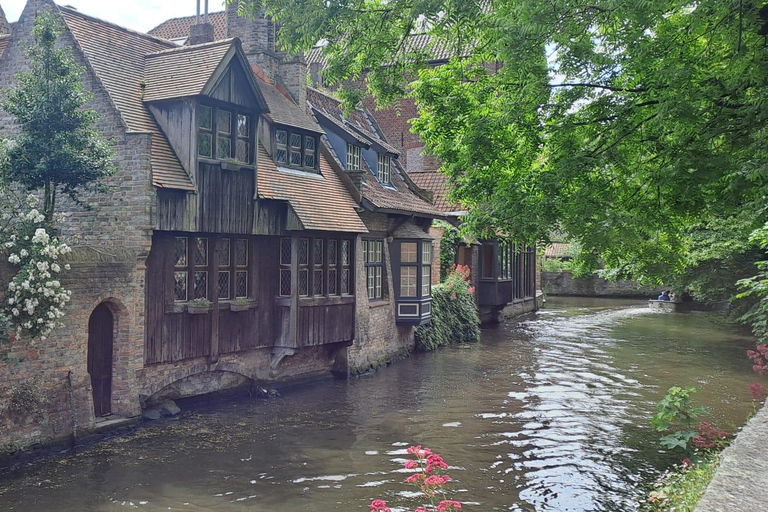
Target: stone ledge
741	480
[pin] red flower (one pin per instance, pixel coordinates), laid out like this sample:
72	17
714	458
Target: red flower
448	505
379	506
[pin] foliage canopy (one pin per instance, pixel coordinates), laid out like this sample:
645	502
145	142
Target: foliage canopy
57	148
624	123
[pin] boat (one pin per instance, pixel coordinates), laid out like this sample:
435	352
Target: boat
681	307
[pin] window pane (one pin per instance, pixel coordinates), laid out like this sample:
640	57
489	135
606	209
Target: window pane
379	249
180	286
309	143
332	252
285	251
317	255
241	284
223	252
317	282
333	285
296	140
408	252
408	281
200	285
180	251
296	157
281	156
241	252
243	151
281	137
304	251
223	147
345	252
378	282
224	122
426	280
426	252
371	282
201	252
204	118
346	282
243	125
205	144
223	284
304	282
285	282
309	160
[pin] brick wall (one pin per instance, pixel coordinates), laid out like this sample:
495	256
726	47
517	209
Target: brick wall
107	266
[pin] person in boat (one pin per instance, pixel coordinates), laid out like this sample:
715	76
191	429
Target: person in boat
664	295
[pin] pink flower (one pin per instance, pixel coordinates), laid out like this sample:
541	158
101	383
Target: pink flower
436	480
411	464
434	460
686	463
379	506
418	451
448	505
420	509
757	390
415	478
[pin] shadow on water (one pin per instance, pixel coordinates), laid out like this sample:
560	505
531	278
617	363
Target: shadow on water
549	413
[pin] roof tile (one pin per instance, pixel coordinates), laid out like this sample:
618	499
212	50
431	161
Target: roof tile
319	200
177	28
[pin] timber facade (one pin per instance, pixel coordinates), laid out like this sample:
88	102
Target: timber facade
238	241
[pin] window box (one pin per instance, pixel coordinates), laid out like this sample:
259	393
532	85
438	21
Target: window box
199	307
239	305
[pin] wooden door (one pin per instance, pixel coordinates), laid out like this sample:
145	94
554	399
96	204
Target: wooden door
100	340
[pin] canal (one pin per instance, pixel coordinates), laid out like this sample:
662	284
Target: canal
549	413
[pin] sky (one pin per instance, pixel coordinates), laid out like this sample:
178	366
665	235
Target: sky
140	15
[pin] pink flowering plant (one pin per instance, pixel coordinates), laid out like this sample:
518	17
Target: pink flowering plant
430	477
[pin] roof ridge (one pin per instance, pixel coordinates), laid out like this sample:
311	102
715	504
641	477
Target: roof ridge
150	37
182	49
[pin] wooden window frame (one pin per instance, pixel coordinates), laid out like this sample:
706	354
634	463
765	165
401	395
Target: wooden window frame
384	169
320	268
374	270
216	132
353	157
303	150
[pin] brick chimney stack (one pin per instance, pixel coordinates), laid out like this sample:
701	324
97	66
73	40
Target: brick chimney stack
259	39
201	32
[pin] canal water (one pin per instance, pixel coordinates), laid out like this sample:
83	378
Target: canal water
549	413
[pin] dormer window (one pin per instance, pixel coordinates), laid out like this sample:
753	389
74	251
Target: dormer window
385	166
295	149
232	131
353	157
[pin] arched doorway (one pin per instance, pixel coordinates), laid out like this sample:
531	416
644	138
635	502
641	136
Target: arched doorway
100	341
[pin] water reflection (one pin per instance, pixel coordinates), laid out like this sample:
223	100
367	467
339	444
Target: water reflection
547	414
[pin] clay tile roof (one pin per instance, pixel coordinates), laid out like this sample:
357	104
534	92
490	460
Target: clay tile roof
283	110
177	28
4	42
183	71
437	183
320	201
396	198
557	250
116	56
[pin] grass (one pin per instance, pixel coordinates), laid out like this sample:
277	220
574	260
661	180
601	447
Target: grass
680	489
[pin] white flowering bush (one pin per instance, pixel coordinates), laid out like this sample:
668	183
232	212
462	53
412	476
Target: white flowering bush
35	298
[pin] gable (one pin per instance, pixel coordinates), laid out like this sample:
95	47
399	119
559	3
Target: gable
234	87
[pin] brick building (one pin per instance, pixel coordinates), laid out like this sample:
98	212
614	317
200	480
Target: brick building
234	245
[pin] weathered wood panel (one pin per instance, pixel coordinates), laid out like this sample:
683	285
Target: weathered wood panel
321	324
226	200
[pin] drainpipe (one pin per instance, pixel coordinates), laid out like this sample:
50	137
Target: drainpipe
73	416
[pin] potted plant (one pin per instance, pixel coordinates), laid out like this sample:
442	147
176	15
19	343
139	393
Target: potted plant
241	304
198	306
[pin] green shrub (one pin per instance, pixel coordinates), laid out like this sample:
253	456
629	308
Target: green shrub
680	489
454	313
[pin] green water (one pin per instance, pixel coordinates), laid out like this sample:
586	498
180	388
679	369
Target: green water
548	414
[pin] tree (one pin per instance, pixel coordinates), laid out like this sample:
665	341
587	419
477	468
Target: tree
626	124
57	148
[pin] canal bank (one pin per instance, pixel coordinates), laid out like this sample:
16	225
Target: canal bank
741	480
549	413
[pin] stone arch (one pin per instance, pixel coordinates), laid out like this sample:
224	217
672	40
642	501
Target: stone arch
197	380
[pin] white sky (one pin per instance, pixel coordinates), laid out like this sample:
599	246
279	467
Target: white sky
140	15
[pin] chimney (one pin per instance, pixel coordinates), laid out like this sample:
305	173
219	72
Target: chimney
258	40
5	27
357	176
201	32
293	73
